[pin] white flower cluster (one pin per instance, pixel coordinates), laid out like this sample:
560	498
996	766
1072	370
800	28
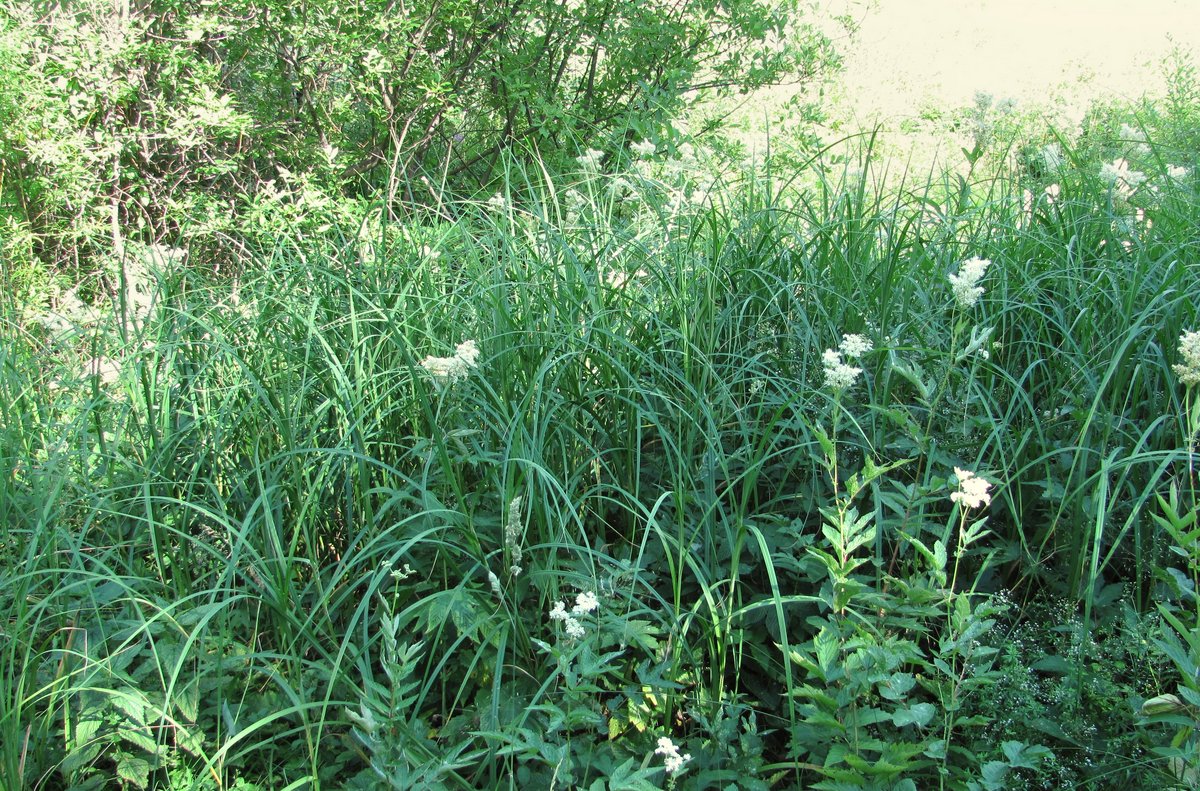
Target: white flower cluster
618	279
1136	137
1189	349
514	531
497	202
855	345
972	490
965	283
590	160
584	604
576	204
840	375
643	149
1118	175
456	368
400	574
672	760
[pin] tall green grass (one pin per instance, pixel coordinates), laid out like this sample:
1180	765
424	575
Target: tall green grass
276	551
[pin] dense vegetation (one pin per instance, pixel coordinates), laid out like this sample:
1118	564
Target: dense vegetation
223	124
617	465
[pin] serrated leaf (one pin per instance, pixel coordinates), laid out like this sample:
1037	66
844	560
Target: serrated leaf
139	738
80	757
86	730
826	645
133	770
131	704
189	740
187	699
106	593
827	446
457	606
641	633
818	696
879	768
806	663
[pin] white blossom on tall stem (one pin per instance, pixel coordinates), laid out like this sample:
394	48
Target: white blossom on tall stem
965	283
453	369
1123	180
1188	371
590	160
972	490
585	603
840	375
855	345
672	761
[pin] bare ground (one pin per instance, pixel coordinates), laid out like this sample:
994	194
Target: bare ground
912	60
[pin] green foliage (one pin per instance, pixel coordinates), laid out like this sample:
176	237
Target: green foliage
1178	640
585	485
224	126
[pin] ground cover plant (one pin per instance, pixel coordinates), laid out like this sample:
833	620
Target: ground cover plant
640	468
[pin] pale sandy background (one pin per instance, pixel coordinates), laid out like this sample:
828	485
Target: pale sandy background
912	64
911	53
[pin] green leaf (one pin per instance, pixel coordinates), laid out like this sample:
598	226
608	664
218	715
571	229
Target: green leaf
865	716
457	606
1053	664
897	686
1024	756
131	704
641	633
80	756
139	737
993	775
918	714
86	729
187	699
826	644
133	770
189	740
631	777
826	443
879	768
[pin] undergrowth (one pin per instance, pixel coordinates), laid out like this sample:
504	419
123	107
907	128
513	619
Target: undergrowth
644	474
